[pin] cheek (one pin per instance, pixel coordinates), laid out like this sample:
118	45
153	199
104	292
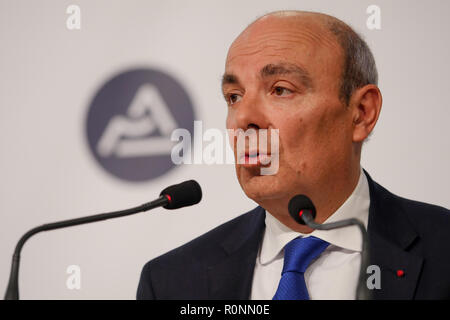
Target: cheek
333	127
326	141
308	140
291	141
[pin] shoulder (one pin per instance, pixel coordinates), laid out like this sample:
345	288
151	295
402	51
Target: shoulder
210	245
209	242
426	212
179	272
421	212
432	222
428	220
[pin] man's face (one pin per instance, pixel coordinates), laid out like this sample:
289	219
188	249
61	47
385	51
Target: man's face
284	73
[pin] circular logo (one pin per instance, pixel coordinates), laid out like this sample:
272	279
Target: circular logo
130	121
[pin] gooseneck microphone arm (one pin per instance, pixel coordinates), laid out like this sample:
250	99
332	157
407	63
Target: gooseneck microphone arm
12	293
176	196
303	211
362	292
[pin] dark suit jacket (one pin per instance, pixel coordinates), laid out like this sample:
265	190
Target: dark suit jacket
404	235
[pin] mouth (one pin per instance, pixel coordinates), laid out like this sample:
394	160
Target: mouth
254	159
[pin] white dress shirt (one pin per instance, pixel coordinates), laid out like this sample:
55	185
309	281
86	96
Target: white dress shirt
334	274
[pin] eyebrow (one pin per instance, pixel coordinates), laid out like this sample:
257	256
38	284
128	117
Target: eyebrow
229	79
271	70
287	68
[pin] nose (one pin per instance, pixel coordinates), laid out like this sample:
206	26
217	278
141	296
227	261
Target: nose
249	114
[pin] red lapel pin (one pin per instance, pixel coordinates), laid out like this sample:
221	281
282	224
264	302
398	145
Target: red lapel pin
400	273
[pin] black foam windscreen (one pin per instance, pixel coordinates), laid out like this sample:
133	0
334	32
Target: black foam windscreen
298	203
183	194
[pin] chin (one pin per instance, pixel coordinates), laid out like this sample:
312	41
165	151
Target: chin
262	188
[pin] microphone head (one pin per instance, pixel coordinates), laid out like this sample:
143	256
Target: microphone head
297	204
183	194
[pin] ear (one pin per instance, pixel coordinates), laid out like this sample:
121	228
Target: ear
366	106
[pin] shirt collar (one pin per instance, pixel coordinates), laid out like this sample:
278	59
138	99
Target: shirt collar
277	235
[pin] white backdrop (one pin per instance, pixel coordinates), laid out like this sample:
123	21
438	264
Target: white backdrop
49	75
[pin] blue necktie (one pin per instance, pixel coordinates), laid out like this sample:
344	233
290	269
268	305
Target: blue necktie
298	254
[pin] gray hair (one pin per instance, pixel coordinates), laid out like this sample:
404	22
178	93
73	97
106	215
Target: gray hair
359	68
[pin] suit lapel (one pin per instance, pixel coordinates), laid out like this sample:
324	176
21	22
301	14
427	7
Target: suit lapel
391	236
231	277
392	259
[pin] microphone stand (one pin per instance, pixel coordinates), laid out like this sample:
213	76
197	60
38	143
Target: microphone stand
362	291
12	292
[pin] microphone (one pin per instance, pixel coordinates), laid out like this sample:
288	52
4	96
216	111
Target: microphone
303	211
183	194
177	196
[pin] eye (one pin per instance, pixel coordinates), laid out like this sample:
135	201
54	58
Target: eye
281	91
233	98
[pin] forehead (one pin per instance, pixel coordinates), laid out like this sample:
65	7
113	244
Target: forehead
303	41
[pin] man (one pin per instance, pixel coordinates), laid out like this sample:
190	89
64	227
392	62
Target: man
310	76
